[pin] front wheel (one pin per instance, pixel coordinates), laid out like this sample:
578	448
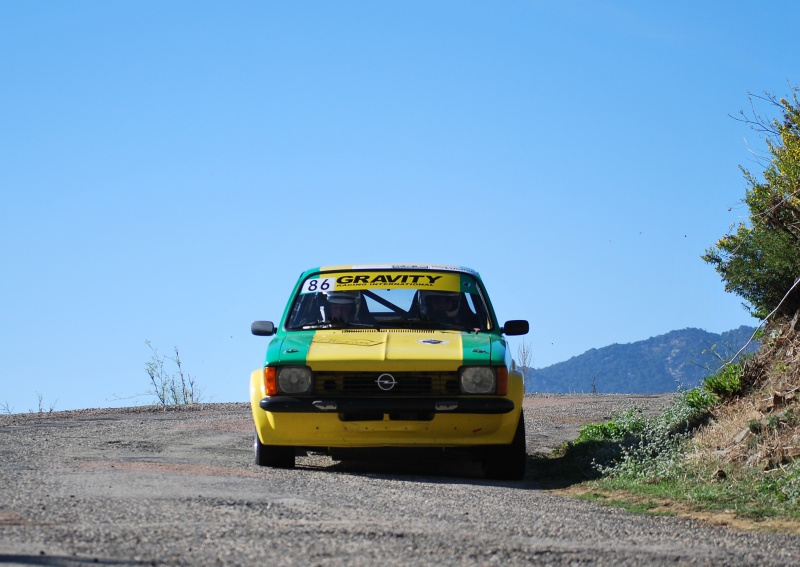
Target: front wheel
276	456
507	462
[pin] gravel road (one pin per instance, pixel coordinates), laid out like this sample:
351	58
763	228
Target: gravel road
141	486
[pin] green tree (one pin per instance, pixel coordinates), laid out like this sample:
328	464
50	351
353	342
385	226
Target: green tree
759	259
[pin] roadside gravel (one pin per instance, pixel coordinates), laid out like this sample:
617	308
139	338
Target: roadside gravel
141	486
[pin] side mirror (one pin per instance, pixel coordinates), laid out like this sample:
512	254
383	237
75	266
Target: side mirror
515	327
262	328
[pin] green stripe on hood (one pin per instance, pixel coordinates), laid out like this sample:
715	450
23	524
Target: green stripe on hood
476	348
290	349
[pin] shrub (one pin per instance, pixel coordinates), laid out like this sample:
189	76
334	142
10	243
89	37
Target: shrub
726	382
628	422
178	388
700	399
652	447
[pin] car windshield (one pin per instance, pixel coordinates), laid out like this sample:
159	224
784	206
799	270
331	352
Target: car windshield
390	299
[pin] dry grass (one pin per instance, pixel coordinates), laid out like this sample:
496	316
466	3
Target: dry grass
761	429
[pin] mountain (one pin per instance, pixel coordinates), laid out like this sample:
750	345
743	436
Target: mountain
656	365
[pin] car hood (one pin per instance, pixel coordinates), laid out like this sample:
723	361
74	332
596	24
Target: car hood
395	349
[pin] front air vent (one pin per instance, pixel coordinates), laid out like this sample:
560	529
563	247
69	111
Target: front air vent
386	384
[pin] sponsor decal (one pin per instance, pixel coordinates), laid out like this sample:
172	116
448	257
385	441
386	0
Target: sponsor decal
382	280
336	340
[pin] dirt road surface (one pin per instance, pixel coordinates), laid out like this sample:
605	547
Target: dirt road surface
141	486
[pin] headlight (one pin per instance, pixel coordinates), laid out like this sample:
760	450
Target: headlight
294	379
478	380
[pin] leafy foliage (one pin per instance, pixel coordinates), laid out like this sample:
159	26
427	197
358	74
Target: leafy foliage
651	448
634	446
727	382
623	424
759	260
700	399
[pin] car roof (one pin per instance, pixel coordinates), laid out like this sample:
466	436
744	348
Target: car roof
407	266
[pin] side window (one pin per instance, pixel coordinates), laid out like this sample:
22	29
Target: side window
475	305
305	311
471	304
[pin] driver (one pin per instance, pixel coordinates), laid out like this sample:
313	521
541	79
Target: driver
343	306
440	306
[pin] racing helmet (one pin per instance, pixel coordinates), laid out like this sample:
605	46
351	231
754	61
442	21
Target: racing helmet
452	299
343	297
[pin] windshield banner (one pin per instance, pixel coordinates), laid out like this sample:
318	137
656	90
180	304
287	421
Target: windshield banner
382	280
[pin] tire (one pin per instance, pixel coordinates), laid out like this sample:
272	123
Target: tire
275	456
507	462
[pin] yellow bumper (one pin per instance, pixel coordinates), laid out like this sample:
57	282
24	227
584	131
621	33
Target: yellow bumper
325	429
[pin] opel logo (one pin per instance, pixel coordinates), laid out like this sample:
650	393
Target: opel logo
386	382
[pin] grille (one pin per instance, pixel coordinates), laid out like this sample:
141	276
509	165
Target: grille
406	384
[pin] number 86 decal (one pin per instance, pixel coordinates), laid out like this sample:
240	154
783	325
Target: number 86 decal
318	284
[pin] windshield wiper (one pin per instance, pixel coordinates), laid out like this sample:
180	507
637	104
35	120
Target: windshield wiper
416	322
312	325
358	325
335	324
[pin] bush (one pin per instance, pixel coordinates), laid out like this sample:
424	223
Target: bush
727	382
178	388
633	446
623	424
700	399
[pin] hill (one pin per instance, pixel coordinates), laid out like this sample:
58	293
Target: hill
656	365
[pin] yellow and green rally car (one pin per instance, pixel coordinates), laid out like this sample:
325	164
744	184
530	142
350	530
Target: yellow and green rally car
405	356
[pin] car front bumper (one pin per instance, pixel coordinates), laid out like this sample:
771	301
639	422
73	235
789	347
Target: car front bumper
286	404
337	422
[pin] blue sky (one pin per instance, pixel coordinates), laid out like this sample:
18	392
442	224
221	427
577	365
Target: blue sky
169	168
